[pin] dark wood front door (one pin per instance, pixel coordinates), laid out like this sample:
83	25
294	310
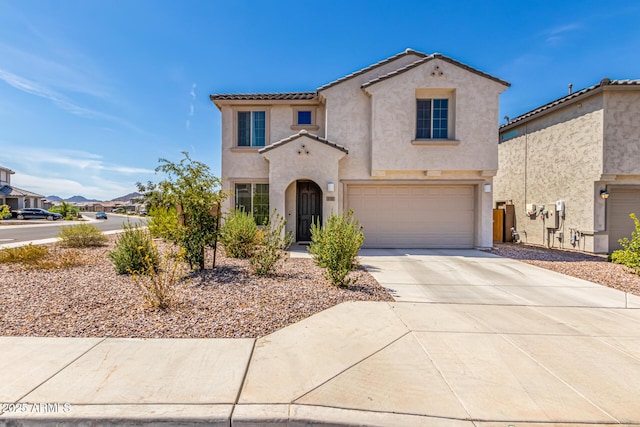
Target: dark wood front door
309	208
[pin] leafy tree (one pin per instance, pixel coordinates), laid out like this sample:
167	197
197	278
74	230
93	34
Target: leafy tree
4	211
196	194
153	196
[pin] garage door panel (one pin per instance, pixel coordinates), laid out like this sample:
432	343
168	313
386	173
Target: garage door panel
414	216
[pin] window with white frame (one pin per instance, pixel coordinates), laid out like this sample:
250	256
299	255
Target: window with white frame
253	198
432	118
252	127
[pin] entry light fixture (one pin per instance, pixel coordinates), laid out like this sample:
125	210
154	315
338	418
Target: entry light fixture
487	188
330	187
604	194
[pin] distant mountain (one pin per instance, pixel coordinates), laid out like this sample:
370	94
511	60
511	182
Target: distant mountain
80	199
74	199
127	197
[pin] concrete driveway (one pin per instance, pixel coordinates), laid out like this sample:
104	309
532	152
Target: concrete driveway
476	277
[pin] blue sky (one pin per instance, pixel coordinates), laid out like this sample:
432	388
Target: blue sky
92	93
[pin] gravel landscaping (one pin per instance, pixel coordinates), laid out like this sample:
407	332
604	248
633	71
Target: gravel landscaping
594	268
94	301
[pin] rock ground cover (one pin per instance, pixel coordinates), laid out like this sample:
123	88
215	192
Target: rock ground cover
94	301
591	267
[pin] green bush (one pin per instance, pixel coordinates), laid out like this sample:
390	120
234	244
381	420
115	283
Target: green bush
335	247
271	246
67	210
134	251
239	234
5	212
81	236
630	254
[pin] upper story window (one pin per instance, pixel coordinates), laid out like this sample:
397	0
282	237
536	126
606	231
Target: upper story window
252	126
304	117
432	120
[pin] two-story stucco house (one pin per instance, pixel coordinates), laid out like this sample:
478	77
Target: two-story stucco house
582	150
407	143
14	197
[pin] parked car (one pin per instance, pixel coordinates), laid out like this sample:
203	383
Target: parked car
35	213
101	215
143	213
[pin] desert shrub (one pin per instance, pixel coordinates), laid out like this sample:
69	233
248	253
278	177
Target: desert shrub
41	258
271	245
335	247
81	236
134	251
29	254
239	234
158	283
629	255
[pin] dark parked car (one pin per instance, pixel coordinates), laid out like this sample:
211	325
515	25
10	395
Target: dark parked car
101	215
35	213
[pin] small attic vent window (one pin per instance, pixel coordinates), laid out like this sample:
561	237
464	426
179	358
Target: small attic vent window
304	117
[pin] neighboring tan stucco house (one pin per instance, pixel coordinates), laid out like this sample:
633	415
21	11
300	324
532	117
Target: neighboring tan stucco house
15	197
407	143
582	149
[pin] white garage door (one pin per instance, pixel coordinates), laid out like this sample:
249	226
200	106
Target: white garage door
414	216
620	204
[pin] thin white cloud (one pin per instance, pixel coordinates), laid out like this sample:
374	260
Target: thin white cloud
556	35
64	187
33	88
191	106
72	159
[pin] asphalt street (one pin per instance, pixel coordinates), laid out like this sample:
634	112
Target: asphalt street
15	231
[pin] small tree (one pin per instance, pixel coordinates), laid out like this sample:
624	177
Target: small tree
67	210
335	247
196	194
629	255
271	246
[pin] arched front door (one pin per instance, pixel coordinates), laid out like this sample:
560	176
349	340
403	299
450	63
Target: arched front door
308	207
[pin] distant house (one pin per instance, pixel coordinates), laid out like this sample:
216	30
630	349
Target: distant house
407	143
572	168
17	198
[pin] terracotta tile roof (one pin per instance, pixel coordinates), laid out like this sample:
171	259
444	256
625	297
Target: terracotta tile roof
431	58
371	67
569	98
300	135
286	96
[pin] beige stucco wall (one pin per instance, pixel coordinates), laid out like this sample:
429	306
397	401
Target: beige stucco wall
319	165
622	132
245	164
473	120
556	157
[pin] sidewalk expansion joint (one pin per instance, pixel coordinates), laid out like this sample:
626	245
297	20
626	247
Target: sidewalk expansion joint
61	369
244	379
295	399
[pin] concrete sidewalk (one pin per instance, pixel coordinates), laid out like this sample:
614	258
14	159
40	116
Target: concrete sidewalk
366	363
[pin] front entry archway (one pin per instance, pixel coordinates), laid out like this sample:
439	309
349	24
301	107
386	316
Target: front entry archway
308	208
